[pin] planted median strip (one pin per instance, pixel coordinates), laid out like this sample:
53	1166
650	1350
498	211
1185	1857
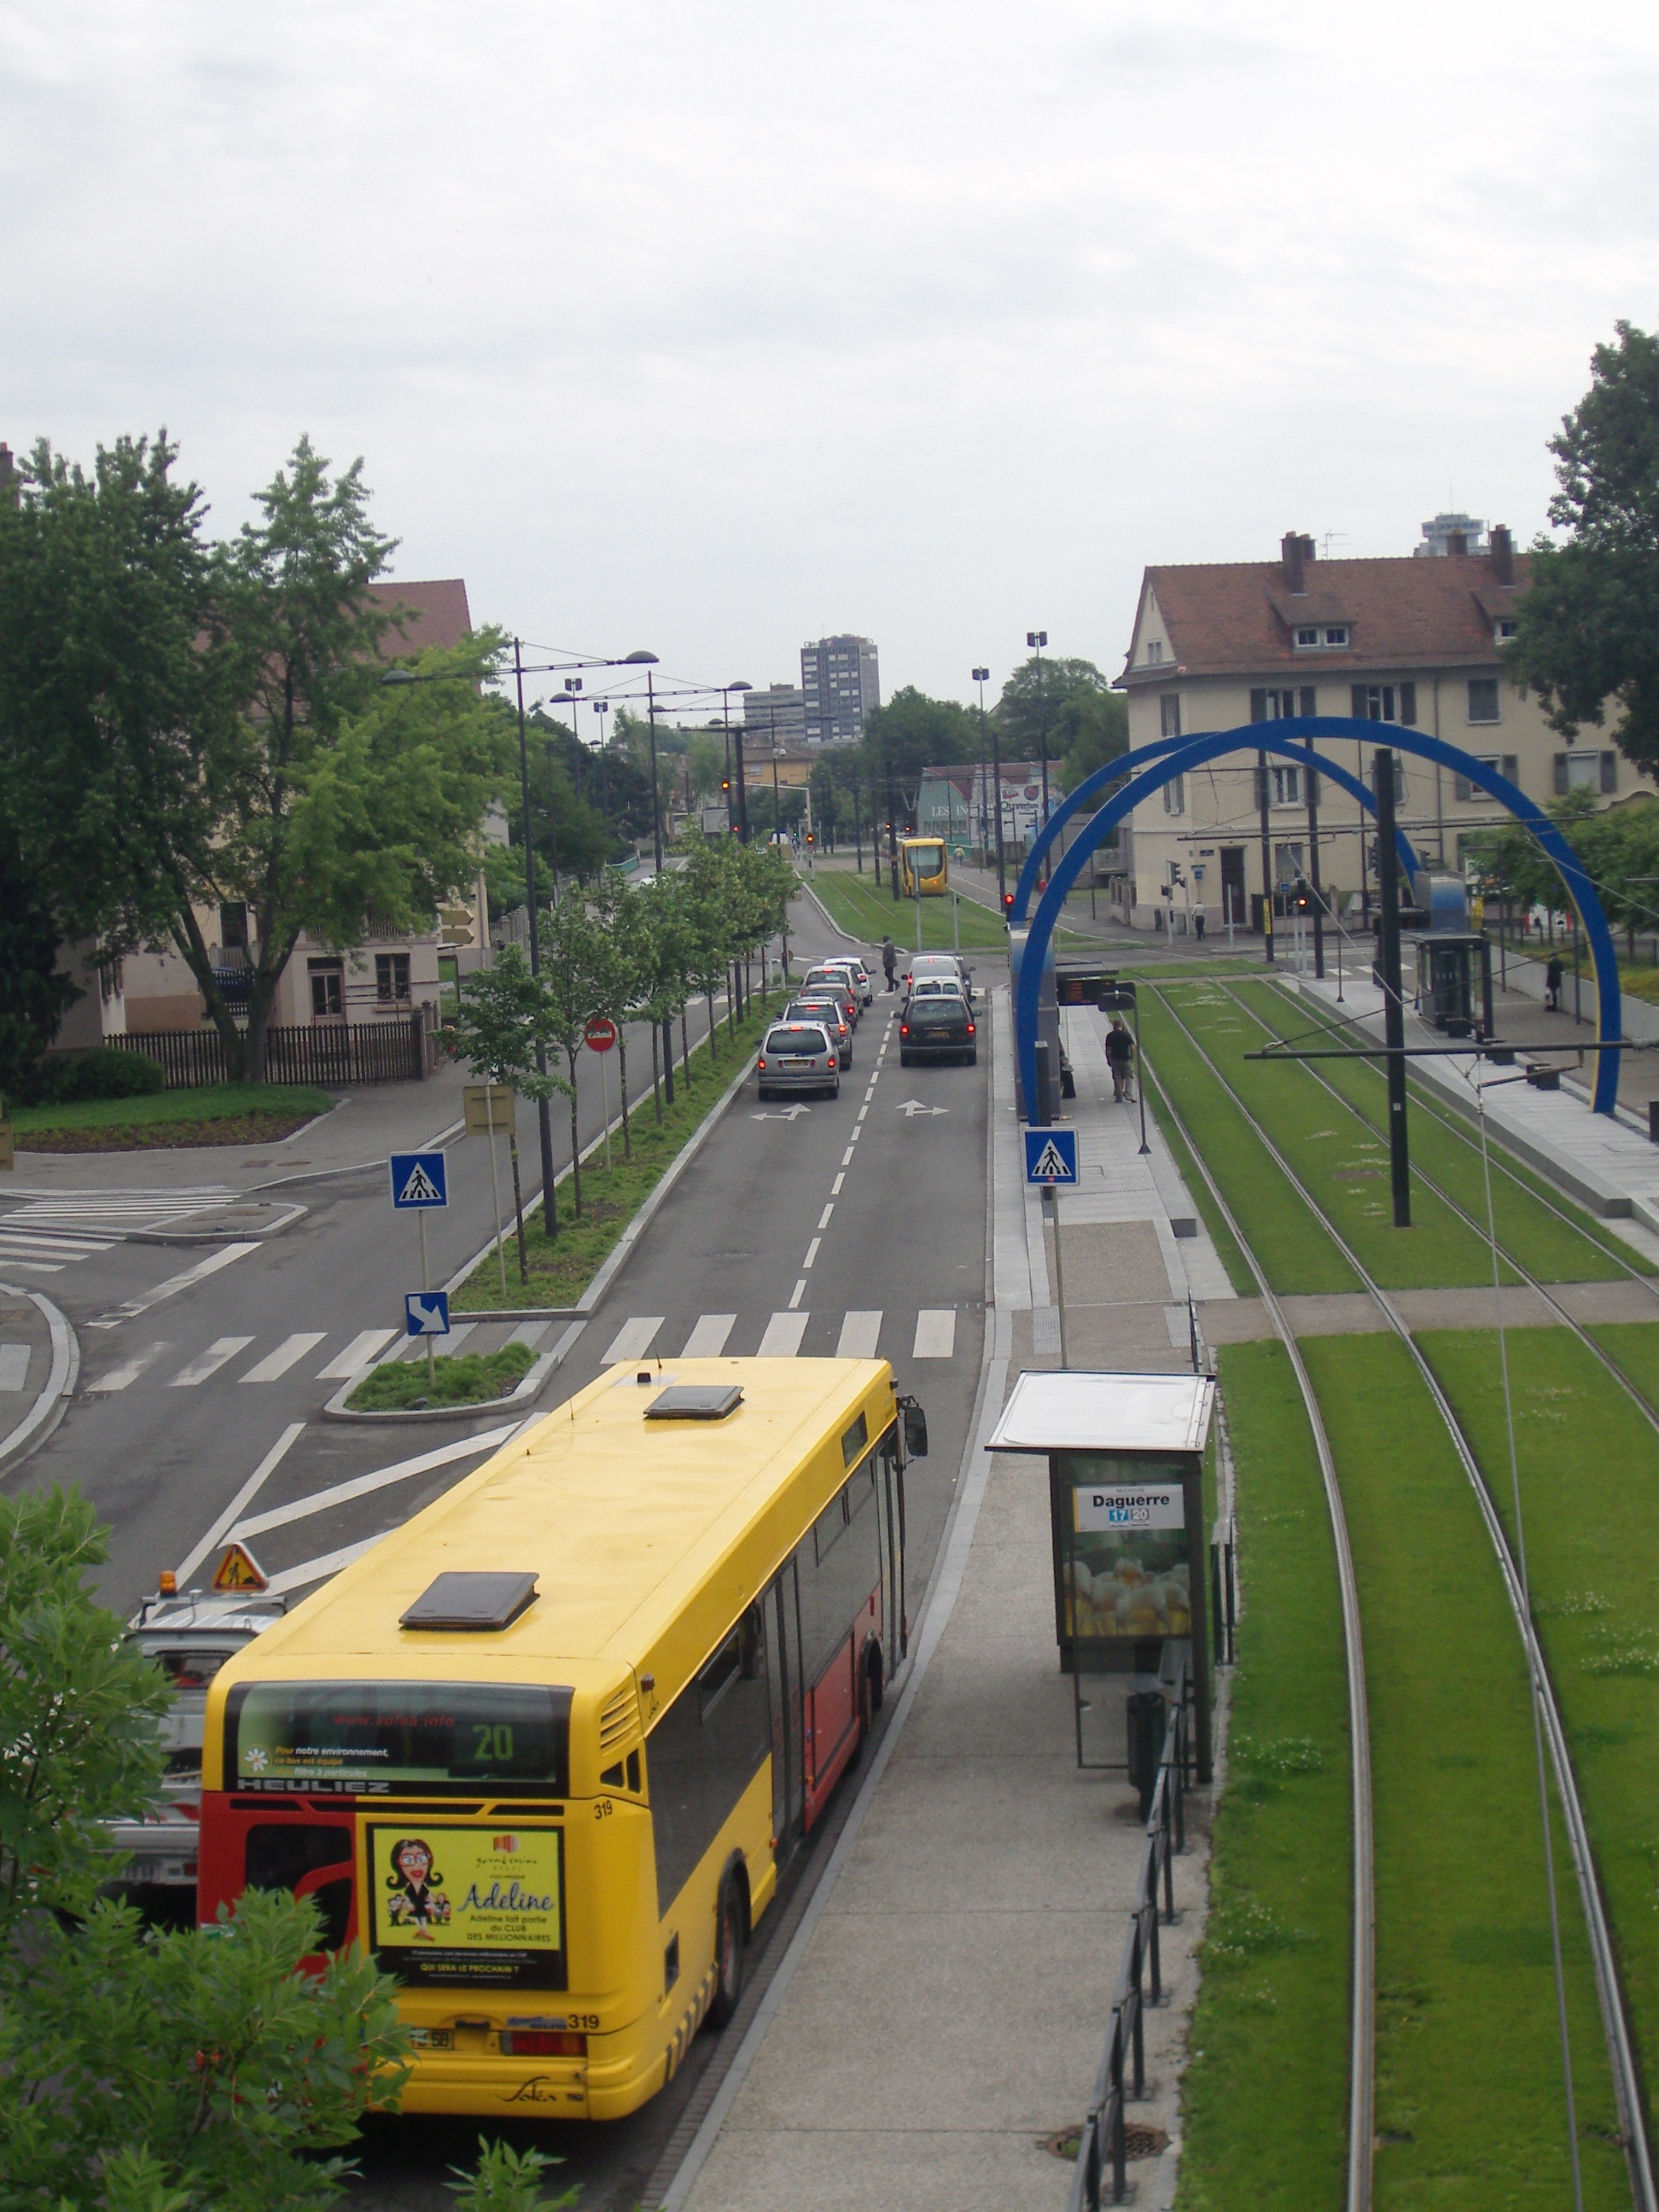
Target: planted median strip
217	1114
470	1378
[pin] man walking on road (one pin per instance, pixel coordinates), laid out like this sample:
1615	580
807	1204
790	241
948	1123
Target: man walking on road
1120	1054
889	958
1552	984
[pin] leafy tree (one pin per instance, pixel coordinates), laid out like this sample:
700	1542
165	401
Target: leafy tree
1590	622
36	994
666	984
500	1019
622	968
1032	699
910	734
1091	728
573	956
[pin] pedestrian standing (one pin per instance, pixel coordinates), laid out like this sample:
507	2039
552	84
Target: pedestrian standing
1552	984
889	958
1198	925
1120	1056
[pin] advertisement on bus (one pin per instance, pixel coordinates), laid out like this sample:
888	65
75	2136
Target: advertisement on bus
467	1904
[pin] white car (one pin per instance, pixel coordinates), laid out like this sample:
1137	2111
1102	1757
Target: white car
857	975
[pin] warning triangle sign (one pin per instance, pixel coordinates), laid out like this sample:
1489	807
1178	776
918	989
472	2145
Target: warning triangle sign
1050	1166
420	1190
238	1570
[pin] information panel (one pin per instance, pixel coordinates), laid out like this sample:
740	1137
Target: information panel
1127	1571
451	1904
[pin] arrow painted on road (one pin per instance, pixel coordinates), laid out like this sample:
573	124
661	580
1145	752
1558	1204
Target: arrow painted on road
789	1114
912	1106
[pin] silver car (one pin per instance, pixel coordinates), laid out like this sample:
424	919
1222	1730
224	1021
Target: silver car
798	1056
856	974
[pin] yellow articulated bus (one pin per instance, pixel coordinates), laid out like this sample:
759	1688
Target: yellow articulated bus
924	870
542	1752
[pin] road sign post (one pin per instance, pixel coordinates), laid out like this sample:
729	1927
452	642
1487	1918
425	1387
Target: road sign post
426	1313
601	1036
419	1182
1050	1161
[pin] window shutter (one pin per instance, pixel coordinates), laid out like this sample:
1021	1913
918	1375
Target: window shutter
1560	774
1609	771
1512	767
1259	705
1461	787
1409	705
1361	707
1309	699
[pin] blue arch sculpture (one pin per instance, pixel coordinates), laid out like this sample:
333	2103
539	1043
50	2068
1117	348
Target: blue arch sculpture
1171	758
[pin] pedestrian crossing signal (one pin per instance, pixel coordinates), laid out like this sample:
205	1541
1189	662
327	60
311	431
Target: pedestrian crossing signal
419	1179
239	1571
1050	1156
419	1190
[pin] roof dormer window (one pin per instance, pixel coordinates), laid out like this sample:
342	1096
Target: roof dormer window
1154	652
1504	629
1320	637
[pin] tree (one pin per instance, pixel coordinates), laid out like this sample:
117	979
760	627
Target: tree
1091	728
1032	700
910	734
621	968
502	1017
1590	623
35	993
573	955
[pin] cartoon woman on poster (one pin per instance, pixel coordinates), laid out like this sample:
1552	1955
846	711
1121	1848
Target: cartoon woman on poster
417	1900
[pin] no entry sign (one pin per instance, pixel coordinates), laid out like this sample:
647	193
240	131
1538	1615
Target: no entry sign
600	1034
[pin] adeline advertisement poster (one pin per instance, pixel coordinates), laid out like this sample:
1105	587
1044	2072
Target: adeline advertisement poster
468	1904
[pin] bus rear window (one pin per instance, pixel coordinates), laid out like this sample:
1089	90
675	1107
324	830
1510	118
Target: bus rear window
361	1738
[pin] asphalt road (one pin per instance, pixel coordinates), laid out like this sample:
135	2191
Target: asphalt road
857	1224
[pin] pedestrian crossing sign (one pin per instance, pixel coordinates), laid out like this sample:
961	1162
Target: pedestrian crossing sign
419	1179
1050	1156
238	1570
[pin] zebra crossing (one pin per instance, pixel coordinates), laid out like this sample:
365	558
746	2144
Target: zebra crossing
51	1232
933	1336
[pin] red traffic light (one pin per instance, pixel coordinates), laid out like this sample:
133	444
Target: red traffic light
1007	902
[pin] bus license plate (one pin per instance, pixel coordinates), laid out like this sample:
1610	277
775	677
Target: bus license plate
431	2039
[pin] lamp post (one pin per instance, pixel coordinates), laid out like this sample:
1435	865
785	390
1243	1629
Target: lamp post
1036	639
727	689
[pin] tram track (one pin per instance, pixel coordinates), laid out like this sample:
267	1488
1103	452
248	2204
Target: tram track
1610	1998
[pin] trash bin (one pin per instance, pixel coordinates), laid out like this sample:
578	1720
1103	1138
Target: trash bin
1146	1711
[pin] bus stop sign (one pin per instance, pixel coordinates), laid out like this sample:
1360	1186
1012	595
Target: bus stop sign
1050	1157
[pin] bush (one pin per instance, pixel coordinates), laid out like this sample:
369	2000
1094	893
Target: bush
106	1072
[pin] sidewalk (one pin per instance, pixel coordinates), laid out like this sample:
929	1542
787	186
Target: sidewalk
942	2010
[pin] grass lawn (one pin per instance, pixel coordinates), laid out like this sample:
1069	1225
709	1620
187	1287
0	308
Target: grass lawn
867	908
1265	2095
1589	1488
1238	1273
562	1267
467	1379
1469	2104
218	1113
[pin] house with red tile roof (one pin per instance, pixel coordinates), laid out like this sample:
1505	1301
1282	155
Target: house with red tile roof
1420	641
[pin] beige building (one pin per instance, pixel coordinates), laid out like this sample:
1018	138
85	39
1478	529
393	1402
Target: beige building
1420	642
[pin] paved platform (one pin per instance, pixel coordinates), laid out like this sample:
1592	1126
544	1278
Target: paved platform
942	2011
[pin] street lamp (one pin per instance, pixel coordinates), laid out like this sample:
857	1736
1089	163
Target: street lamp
1036	639
982	677
727	689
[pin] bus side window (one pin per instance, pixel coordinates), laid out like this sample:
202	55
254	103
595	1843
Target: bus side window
704	1752
864	1547
282	1854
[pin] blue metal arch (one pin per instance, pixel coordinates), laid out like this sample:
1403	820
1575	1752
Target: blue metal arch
1170	758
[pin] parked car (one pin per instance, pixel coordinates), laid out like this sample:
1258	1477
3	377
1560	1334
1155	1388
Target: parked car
826	978
936	1024
856	974
821	1007
189	1639
798	1056
949	967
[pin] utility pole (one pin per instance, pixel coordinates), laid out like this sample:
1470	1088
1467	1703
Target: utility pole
1036	639
543	1108
1313	862
1266	857
1394	1014
656	848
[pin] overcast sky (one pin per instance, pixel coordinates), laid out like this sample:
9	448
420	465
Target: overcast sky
712	327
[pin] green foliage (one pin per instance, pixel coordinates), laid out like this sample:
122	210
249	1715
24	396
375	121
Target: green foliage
507	2180
910	733
106	1072
201	2068
34	992
78	1712
1034	699
1091	728
502	1017
465	1378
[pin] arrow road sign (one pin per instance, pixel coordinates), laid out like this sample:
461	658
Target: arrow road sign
426	1313
1050	1156
419	1179
912	1106
789	1114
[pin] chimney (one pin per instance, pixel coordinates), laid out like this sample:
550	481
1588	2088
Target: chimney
8	472
1457	545
1502	554
1309	550
1293	553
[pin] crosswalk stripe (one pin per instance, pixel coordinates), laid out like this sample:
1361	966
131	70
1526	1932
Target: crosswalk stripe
783	1334
120	1378
13	1366
936	1334
356	1356
859	1333
634	1338
75	1247
22	1266
291	1349
446	1347
707	1339
529	1332
208	1362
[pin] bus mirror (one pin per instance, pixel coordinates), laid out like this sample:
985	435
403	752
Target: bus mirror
915	1430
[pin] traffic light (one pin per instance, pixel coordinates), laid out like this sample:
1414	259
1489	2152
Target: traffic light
725	783
1008	903
1304	903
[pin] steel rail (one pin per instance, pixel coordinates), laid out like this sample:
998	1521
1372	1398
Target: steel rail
1616	2028
1361	2031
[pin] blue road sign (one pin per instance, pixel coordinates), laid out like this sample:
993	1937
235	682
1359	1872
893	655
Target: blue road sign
426	1313
419	1179
1050	1156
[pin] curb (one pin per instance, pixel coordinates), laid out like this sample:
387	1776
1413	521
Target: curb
535	1376
612	1266
52	1401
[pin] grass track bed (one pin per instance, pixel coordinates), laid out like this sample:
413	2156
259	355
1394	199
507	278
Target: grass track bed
1265	2096
1469	2104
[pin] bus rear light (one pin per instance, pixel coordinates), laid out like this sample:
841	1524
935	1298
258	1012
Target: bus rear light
542	2043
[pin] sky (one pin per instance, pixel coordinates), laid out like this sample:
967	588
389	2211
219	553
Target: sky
710	329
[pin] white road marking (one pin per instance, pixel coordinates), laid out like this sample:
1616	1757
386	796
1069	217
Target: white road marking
835	1188
634	1339
859	1333
446	1347
783	1334
707	1339
846	1160
811	1251
174	1283
824	1218
71	1248
208	1362
529	1332
318	1571
798	1294
357	1355
341	1493
853	1135
863	1110
15	1259
292	1349
13	1366
130	1370
936	1334
239	1504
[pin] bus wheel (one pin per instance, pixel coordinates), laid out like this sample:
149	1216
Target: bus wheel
730	1930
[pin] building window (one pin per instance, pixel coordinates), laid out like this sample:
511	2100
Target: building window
1269	706
1284	786
1154	652
327	990
1320	637
1385	702
1168	714
1175	795
391	978
1483	699
1287	865
1586	771
1504	629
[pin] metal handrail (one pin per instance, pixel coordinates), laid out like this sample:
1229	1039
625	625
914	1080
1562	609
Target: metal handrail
1104	2140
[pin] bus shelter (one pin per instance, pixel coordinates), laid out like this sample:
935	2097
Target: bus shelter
1126	1506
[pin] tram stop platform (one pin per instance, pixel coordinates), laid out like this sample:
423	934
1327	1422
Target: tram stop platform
937	2021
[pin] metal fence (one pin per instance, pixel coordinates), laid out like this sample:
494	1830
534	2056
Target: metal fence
334	1054
1104	2146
